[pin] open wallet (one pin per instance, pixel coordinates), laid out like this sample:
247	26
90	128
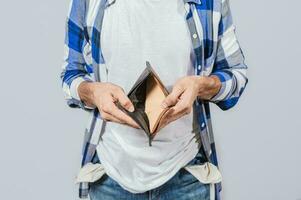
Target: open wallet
147	94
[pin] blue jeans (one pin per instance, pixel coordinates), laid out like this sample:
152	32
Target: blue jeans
182	186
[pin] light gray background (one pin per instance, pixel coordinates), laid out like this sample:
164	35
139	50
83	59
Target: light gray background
258	141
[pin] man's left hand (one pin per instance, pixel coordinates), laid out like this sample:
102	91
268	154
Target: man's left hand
184	93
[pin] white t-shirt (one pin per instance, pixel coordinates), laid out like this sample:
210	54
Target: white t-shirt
135	31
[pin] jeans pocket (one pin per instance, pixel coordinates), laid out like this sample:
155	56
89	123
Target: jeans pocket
90	173
206	173
98	182
189	187
185	177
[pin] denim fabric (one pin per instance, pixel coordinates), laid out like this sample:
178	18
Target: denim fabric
182	186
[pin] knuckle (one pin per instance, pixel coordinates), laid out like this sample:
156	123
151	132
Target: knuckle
118	89
105	116
179	88
114	90
167	100
187	105
105	109
114	87
187	110
171	99
99	106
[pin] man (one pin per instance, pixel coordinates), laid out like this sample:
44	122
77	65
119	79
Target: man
192	46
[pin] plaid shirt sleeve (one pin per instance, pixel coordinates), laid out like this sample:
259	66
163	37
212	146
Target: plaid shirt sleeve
229	65
75	69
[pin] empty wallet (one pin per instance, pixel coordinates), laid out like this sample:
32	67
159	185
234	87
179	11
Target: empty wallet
147	94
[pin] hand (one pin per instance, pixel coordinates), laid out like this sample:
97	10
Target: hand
184	93
104	96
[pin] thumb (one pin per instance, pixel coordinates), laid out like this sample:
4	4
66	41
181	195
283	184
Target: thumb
124	101
172	98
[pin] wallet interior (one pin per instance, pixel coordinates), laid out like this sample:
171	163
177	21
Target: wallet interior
154	98
147	95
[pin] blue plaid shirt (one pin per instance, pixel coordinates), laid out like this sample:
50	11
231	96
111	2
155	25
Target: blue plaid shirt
215	45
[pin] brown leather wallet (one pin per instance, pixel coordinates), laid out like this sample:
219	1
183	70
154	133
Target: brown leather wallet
147	95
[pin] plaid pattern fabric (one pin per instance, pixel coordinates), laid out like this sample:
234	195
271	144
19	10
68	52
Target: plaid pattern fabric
215	45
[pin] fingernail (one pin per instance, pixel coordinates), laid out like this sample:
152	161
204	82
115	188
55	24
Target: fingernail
131	109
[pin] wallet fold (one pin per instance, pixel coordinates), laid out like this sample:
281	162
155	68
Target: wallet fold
147	94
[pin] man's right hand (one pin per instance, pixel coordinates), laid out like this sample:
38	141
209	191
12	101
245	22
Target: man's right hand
104	96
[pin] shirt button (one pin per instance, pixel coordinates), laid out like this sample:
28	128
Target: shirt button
199	67
203	124
194	35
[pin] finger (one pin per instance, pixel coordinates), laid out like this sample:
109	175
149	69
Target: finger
176	116
173	115
183	107
184	104
165	118
173	97
123	100
167	115
132	123
108	117
176	112
163	123
112	109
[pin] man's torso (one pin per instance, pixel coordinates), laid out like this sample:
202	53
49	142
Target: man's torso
133	32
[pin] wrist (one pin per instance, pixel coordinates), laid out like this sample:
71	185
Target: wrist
207	82
216	84
208	86
86	91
